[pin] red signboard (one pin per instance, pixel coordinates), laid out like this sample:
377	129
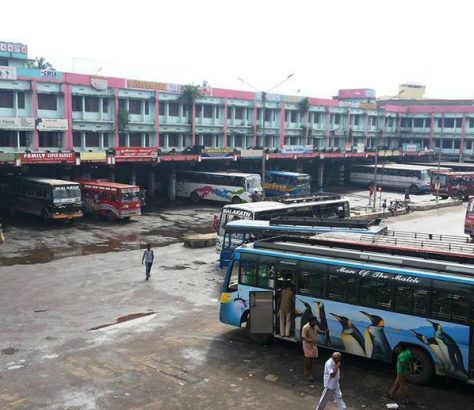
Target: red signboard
123	154
48	158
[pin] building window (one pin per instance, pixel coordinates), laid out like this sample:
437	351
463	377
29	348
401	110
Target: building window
173	140
356	119
471	122
105	105
147	107
458	123
457	144
207	140
122	140
198	110
76	103
229	113
47	102
135	106
447	144
440	123
207	111
427	122
4	62
418	122
173	109
91	104
268	115
50	139
337	119
92	139
161	107
316	117
292	116
239	113
8	139
6	99
21	100
449	123
135	139
122	104
468	145
76	139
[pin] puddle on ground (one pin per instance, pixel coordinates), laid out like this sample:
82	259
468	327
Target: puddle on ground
176	267
122	319
9	350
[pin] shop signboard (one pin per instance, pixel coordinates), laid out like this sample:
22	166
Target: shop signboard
8	158
17	124
251	153
217	153
296	149
410	147
7	73
48	158
136	154
52	124
94	156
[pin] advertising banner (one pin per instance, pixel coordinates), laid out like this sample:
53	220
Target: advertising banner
52	124
124	154
48	158
8	157
17	124
410	147
217	153
296	149
95	156
251	153
7	73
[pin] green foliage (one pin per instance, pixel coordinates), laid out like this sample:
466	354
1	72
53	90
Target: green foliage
190	94
40	63
124	119
303	105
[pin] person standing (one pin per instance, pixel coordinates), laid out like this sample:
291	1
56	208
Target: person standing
148	257
404	367
287	306
384	206
332	390
310	350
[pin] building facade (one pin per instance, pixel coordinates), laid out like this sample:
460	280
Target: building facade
76	117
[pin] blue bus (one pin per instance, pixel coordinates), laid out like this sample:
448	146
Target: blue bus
369	298
280	183
244	231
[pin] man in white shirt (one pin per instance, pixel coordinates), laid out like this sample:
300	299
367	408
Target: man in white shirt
148	257
332	391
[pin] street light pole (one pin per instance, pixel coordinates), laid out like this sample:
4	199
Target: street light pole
264	101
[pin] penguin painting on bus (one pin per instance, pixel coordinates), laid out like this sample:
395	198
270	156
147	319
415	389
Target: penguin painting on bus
441	354
448	345
376	343
350	336
307	313
321	314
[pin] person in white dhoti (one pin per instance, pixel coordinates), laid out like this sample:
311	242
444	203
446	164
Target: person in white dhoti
332	391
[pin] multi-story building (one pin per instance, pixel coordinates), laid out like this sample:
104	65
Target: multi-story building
52	116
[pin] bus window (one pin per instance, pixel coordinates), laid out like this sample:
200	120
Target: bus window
384	294
450	303
421	299
311	279
403	299
376	293
336	287
248	269
234	277
352	291
265	276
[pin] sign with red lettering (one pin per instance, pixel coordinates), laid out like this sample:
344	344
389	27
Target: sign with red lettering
48	158
123	154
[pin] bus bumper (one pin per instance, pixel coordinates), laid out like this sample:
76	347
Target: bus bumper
66	216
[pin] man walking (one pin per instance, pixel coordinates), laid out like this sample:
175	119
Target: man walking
309	335
332	390
404	364
148	257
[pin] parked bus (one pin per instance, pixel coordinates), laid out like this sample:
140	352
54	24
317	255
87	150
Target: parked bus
231	187
243	231
414	178
279	183
469	218
111	200
50	199
453	184
267	210
368	298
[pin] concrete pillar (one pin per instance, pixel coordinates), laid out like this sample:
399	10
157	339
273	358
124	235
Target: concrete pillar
172	186
340	174
112	175
133	176
151	183
320	176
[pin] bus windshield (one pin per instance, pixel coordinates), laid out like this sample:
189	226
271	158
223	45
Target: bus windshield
470	207
129	196
62	193
253	183
425	174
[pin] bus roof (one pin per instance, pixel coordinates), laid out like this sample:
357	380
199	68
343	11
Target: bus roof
232	174
287	173
405	166
271	205
49	181
108	184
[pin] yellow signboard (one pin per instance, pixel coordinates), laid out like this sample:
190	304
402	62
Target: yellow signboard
95	156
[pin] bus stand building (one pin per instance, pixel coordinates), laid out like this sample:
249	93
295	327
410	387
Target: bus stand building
68	124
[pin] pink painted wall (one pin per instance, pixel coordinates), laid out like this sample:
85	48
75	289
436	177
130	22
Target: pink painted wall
85	79
226	107
34	89
68	143
282	124
157	118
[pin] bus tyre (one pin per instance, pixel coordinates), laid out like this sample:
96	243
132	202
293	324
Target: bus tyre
44	216
413	189
195	197
110	216
236	200
422	370
260	338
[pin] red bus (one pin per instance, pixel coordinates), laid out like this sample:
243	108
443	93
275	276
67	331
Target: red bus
111	200
469	219
453	184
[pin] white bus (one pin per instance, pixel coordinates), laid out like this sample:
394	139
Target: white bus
415	178
266	210
231	187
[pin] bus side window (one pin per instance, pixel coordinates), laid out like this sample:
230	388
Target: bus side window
247	273
310	279
234	277
450	302
421	300
403	299
265	276
336	287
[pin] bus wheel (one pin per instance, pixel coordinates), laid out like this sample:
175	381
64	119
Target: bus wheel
195	197
413	189
422	370
260	338
236	200
110	216
44	216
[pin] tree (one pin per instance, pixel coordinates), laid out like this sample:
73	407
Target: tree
303	106
124	119
40	63
188	98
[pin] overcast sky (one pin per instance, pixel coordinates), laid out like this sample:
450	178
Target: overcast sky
326	44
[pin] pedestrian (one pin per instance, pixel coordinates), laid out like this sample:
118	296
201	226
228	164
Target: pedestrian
332	390
407	196
309	335
287	306
404	367
148	257
384	205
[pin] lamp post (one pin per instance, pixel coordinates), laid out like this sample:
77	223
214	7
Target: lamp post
264	101
377	149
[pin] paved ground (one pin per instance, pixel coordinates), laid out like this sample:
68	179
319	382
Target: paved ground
59	283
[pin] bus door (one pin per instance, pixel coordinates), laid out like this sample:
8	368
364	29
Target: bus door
284	314
261	312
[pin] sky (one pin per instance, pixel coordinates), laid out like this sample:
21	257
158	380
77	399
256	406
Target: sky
326	45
